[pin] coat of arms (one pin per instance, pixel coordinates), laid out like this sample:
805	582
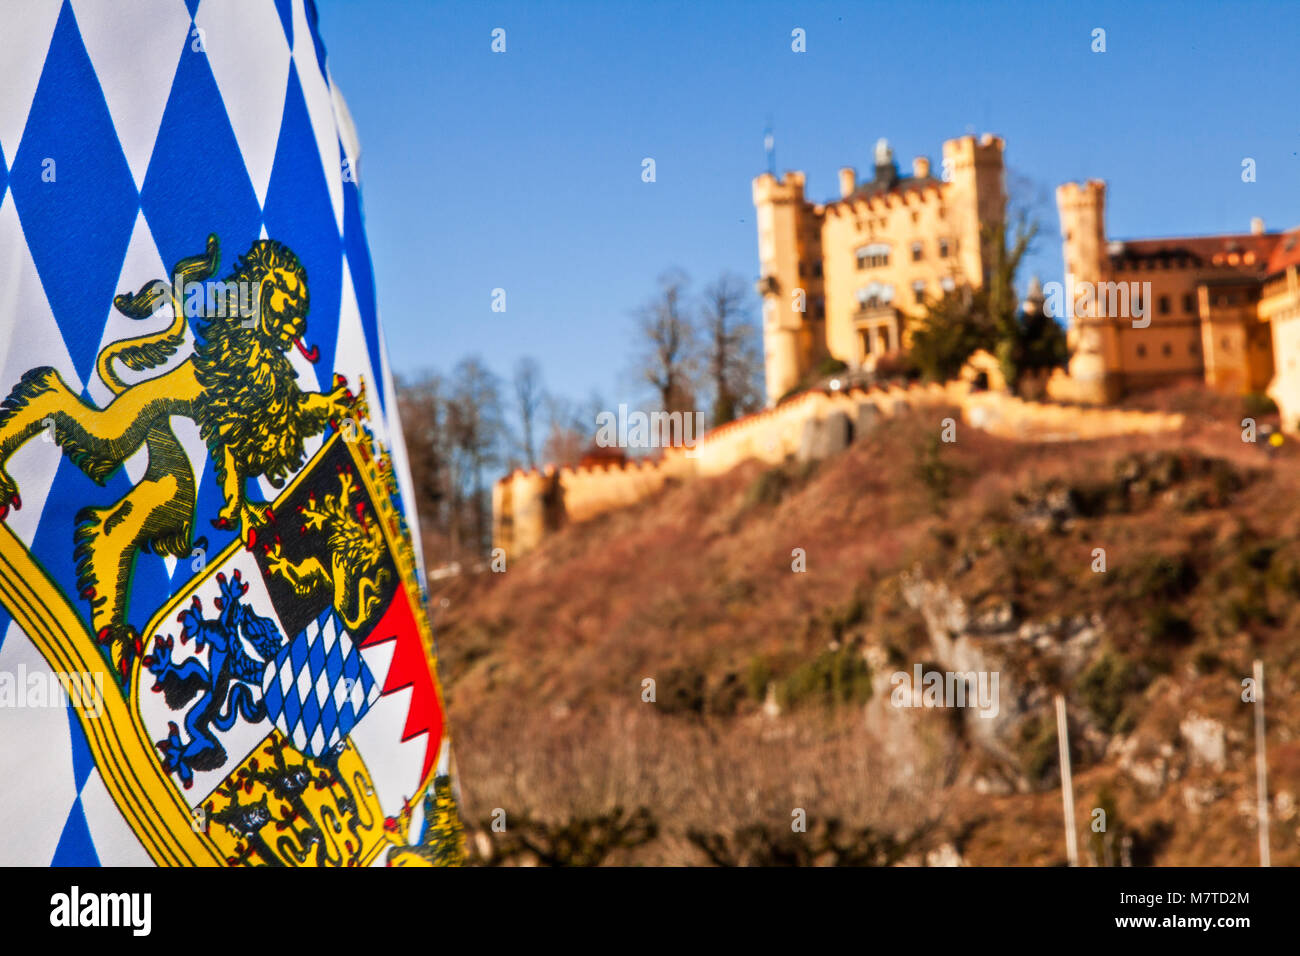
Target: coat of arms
281	705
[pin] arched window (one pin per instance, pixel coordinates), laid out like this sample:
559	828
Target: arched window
872	255
875	294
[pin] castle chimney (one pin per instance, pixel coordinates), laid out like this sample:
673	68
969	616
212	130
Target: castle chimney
848	181
1256	226
921	167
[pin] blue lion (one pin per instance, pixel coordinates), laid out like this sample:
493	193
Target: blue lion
224	688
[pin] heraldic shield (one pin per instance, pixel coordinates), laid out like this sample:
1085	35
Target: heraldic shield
265	683
281	705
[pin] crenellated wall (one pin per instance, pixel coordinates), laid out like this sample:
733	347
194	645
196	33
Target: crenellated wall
527	505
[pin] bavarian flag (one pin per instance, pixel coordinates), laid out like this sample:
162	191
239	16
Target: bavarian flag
214	648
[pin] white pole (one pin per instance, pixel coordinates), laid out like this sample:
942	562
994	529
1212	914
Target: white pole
1067	782
1261	765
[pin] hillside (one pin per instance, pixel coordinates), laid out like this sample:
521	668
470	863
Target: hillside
772	688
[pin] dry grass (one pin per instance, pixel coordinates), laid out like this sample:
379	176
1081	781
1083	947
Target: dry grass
544	665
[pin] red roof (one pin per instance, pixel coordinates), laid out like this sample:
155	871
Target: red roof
1202	250
1286	253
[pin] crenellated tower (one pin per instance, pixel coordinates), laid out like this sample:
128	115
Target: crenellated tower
790	283
1095	361
975	194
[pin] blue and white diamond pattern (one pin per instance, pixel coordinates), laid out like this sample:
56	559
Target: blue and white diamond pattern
319	687
117	157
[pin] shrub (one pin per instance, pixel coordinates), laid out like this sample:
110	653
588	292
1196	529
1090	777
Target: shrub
768	488
829	366
827	842
1163	577
1104	687
681	691
1037	747
1162	624
579	841
934	473
1257	405
758	677
831	678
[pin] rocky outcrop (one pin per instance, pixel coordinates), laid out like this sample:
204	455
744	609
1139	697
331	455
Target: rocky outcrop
990	639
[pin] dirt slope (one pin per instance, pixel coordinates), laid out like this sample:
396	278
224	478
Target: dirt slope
773	688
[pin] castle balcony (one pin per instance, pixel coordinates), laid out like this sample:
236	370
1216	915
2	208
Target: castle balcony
879	329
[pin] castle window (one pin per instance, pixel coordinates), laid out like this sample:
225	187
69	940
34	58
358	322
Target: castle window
1189	303
1167	349
873	255
918	291
1164	305
943	248
1193	348
948	283
1142	351
916	252
817	269
874	295
1224	343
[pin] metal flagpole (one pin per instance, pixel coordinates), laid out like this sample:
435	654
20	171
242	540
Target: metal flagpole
1261	765
769	147
1067	782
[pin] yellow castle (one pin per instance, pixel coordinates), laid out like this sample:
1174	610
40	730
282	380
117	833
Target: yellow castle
843	279
1145	312
846	279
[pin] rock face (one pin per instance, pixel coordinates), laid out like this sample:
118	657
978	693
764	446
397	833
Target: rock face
1050	508
1206	742
991	639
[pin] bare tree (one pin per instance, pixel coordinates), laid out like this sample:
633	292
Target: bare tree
476	427
564	442
528	398
668	355
421	403
731	351
570	427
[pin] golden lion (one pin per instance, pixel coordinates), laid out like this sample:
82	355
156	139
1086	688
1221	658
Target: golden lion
356	549
237	386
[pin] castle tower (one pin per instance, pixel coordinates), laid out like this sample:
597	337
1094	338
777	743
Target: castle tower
975	195
789	241
1095	360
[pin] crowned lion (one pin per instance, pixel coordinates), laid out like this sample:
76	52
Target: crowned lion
238	387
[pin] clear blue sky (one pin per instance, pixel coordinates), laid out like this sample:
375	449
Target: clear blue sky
523	170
